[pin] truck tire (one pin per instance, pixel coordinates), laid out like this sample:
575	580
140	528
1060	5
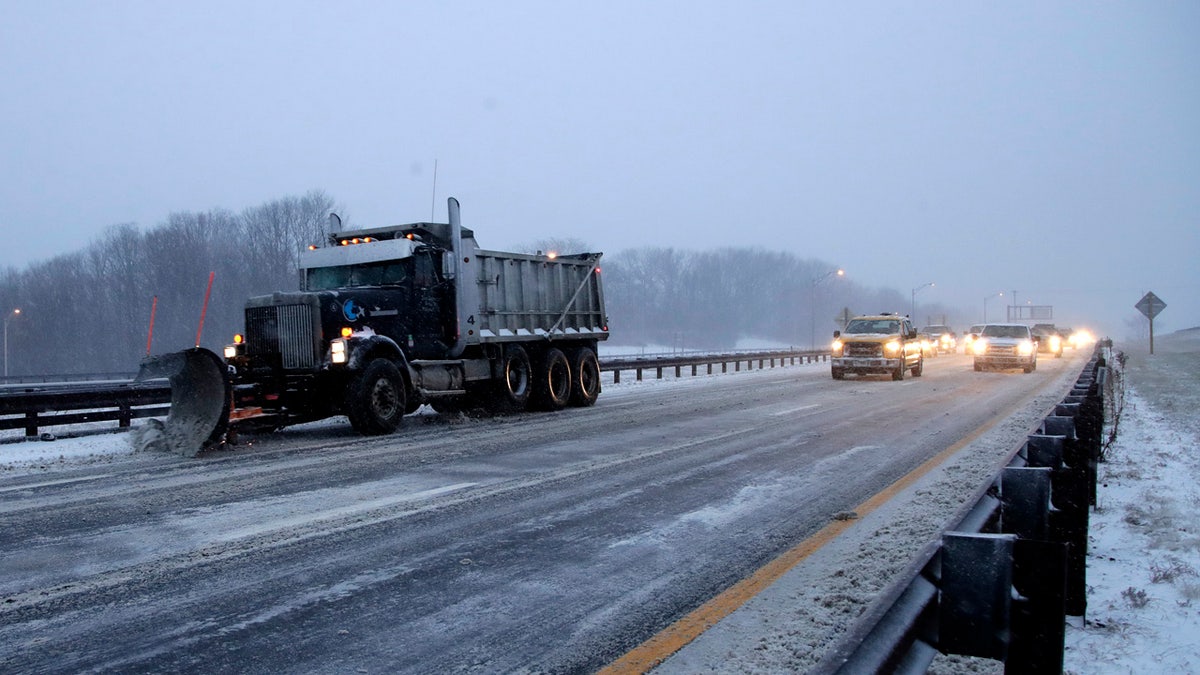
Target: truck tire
585	377
552	381
376	399
838	373
919	368
898	374
513	382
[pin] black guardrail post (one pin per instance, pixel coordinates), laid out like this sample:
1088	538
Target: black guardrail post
1044	451
1070	496
1025	502
976	594
1039	612
1039	572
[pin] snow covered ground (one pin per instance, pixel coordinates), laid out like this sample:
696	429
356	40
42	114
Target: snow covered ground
1144	563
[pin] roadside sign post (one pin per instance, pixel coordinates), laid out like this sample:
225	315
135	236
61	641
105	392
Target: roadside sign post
1150	305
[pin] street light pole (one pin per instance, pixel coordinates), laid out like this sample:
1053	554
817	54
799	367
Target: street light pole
913	309
11	315
994	295
812	305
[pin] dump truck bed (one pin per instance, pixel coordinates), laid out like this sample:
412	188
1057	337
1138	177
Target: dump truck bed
522	296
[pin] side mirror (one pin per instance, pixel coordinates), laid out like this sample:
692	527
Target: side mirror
837	334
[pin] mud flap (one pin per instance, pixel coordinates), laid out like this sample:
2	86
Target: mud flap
200	398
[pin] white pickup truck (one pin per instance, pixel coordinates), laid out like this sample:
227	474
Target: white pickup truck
1005	345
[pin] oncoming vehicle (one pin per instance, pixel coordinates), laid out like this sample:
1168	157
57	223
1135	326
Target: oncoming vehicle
970	336
943	338
1078	339
928	345
877	344
1049	339
1005	345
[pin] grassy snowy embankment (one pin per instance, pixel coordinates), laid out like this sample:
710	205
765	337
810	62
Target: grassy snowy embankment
1143	612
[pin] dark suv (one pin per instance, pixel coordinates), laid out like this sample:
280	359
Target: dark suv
943	339
1049	339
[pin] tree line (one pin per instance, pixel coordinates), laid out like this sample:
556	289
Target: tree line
89	311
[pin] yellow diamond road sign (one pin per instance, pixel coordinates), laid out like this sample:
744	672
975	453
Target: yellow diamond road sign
1150	305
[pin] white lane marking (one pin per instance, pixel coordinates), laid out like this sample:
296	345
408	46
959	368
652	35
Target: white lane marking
795	410
266	516
65	481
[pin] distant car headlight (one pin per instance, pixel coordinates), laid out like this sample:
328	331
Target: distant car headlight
1025	347
979	346
1055	343
945	339
892	347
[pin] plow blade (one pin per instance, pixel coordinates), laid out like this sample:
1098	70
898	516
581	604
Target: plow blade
200	400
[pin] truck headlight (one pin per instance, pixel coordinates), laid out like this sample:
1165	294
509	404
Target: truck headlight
237	348
836	347
979	346
337	351
892	347
1025	348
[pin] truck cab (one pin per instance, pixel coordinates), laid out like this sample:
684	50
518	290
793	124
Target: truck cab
884	343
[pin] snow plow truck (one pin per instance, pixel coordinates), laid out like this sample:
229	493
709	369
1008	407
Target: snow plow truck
388	319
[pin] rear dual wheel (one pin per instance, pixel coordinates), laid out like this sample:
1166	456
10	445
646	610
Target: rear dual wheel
585	377
566	378
552	381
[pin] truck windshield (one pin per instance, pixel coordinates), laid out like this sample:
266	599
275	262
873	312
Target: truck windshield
1006	331
384	273
885	326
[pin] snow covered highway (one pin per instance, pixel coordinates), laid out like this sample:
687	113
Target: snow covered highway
551	542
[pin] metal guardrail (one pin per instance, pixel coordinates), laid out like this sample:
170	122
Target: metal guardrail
21	380
1012	566
64	403
34	407
765	359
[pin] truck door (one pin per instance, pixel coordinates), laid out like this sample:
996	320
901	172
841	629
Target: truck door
429	303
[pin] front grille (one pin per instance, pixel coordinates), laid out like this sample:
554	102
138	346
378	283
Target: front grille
864	349
283	330
1001	350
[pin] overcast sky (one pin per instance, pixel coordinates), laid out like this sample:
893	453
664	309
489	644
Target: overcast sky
1047	148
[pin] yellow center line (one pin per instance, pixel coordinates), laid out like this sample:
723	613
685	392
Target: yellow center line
674	637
